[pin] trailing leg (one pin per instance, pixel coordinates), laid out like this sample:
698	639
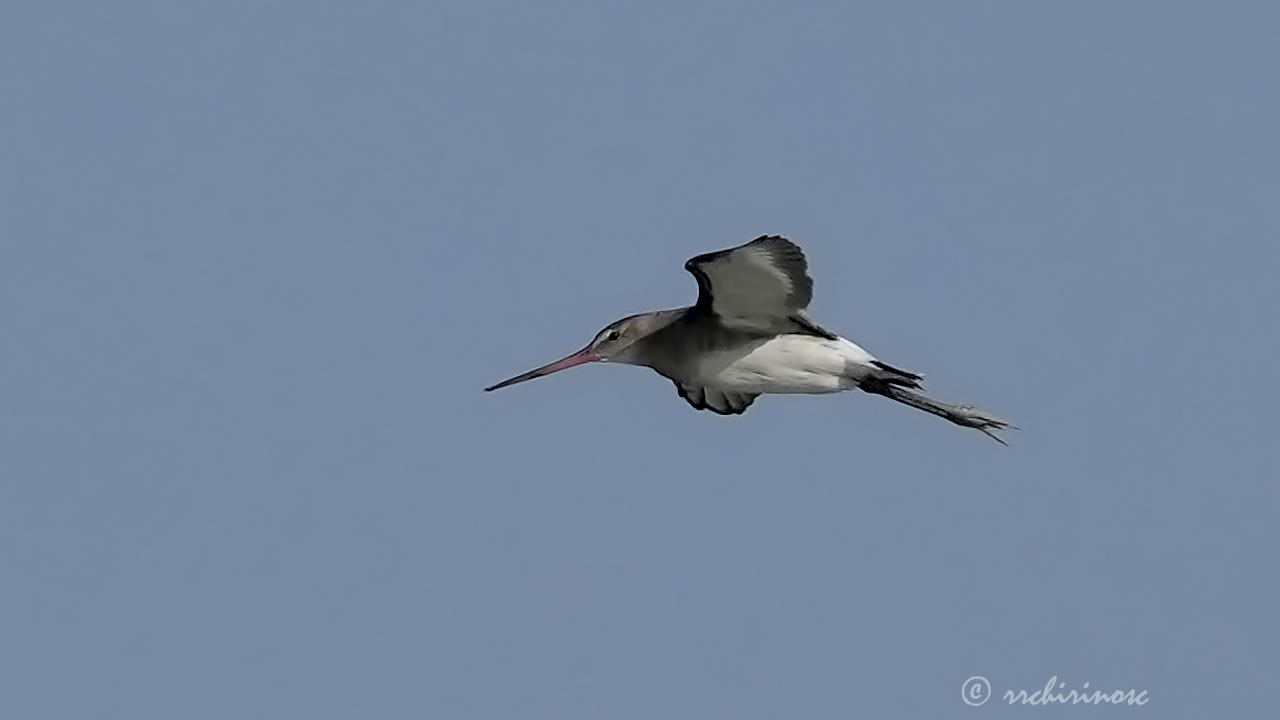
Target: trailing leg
965	415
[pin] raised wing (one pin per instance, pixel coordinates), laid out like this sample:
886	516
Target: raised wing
762	286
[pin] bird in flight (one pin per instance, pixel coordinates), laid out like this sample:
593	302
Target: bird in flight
750	333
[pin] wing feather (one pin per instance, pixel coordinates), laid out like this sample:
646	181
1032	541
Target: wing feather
762	286
722	402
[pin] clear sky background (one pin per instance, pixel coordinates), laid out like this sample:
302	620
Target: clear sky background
257	261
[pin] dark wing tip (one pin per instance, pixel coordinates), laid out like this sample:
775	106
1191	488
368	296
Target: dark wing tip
778	243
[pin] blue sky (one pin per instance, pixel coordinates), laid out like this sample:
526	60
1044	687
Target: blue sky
260	259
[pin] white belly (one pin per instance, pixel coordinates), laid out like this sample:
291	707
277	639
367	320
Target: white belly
786	364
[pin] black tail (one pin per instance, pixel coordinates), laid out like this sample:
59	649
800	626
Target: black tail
897	376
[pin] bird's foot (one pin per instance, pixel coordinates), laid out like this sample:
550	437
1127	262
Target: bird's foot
989	424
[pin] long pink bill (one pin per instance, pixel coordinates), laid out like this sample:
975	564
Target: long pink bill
582	356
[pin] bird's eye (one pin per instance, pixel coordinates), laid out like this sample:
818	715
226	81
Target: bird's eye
611	335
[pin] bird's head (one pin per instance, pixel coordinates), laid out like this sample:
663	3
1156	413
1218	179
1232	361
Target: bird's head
615	343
